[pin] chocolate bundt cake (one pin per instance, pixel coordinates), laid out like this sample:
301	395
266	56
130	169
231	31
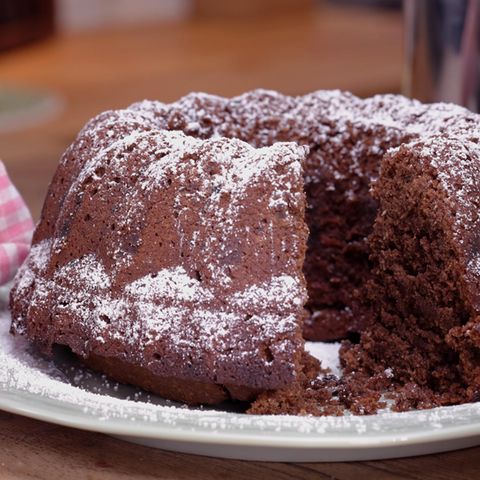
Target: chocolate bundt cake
171	255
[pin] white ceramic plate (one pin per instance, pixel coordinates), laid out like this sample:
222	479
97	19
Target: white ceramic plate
64	393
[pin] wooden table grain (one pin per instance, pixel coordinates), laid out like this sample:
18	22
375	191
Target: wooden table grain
37	450
334	48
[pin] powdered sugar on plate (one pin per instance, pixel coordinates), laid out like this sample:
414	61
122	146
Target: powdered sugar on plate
327	353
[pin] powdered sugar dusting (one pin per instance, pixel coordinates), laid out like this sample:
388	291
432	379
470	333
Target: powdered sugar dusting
41	254
332	120
181	303
173	283
162	304
87	271
162	299
284	287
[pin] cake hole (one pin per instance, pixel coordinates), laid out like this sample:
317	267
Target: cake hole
134	179
198	275
113	227
157	356
169	181
100	171
87	217
267	353
154	275
353	337
105	319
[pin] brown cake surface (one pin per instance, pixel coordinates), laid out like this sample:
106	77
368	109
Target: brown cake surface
171	262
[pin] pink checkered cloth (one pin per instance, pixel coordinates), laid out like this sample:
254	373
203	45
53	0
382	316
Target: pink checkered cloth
16	227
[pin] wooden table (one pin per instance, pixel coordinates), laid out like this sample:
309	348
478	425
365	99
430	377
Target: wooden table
37	450
348	49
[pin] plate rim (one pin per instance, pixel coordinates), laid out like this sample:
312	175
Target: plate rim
79	419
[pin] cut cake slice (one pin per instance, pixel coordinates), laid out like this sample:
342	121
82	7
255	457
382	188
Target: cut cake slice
172	263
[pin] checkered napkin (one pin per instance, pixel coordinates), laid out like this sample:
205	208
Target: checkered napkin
16	227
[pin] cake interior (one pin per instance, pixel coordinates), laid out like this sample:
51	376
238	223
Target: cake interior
417	288
340	216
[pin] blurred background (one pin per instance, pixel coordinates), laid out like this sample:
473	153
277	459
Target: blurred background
63	61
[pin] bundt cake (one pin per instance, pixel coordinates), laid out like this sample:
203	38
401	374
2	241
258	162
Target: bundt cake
172	251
